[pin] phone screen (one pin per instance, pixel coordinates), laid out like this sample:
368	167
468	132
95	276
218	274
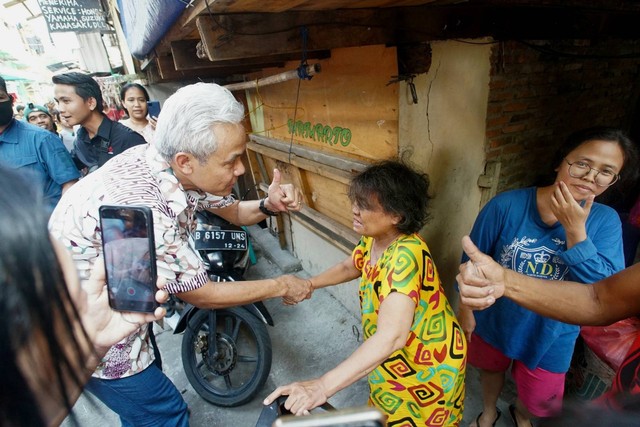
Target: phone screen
153	108
129	257
349	417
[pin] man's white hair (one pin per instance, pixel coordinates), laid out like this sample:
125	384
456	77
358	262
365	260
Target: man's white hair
188	116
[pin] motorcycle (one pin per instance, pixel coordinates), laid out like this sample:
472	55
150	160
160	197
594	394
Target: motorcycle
226	353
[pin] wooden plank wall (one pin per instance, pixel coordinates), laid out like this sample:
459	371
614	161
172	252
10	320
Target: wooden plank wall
346	118
350	93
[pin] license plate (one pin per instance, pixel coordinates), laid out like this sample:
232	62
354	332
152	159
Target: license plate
231	240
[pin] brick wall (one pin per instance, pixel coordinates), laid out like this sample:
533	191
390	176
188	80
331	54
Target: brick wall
537	98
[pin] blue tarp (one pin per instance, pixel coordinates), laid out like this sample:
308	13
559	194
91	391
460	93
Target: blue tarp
145	22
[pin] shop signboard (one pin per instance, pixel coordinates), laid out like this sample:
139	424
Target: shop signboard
77	16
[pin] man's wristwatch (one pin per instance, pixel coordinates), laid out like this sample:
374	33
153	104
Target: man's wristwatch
265	210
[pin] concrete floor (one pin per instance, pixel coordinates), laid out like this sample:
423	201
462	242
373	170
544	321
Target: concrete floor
308	339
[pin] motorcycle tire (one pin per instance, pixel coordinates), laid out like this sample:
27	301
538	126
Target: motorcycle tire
242	364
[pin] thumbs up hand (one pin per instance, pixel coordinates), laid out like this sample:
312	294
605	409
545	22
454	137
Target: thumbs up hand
283	197
481	280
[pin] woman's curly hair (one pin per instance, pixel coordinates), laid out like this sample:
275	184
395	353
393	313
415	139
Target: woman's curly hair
399	189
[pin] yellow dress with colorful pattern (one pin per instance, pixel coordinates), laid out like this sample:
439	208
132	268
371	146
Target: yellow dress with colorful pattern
421	384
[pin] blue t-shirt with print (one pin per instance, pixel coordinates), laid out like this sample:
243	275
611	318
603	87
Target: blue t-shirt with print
510	229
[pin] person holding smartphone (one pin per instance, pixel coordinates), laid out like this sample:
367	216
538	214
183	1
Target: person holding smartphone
55	332
134	99
194	163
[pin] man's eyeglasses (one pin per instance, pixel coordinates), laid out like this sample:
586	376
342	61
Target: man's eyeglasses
580	169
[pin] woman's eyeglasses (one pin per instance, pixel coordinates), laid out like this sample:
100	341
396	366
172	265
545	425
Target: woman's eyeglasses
580	169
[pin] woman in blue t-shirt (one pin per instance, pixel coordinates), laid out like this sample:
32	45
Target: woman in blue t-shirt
555	232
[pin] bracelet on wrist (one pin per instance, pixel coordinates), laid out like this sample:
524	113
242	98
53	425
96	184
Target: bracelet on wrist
265	210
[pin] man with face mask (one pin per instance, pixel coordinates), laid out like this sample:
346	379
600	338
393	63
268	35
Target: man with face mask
35	151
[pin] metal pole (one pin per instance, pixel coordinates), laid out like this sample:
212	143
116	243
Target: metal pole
311	70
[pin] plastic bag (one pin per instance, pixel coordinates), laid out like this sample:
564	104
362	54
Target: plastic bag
612	343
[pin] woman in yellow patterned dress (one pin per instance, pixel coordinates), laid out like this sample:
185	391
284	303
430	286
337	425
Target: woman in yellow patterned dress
414	350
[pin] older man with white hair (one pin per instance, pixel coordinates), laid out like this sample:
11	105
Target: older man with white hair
194	164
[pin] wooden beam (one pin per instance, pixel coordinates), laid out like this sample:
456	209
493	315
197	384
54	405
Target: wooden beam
183	28
246	35
256	34
336	233
211	38
301	163
185	58
168	71
339	169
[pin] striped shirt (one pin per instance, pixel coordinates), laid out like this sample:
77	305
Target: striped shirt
141	177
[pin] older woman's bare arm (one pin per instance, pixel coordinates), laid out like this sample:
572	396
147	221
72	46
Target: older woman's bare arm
340	273
394	324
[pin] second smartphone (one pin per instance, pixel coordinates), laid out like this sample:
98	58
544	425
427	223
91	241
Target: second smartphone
129	257
153	109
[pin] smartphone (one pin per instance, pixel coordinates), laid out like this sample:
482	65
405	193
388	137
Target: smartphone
350	417
153	109
129	257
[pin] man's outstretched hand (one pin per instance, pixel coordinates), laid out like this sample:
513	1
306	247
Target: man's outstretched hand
296	289
481	280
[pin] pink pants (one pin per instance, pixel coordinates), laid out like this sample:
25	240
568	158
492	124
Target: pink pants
539	390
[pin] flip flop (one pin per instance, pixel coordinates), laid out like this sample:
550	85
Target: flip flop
494	421
512	412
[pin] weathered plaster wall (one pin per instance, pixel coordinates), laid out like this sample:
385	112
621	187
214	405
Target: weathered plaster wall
444	135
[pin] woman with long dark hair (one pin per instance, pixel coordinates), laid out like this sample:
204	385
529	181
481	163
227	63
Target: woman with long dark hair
53	332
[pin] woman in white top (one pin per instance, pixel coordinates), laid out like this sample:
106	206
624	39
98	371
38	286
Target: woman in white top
134	99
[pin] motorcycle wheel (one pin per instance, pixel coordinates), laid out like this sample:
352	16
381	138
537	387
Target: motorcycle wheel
243	360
